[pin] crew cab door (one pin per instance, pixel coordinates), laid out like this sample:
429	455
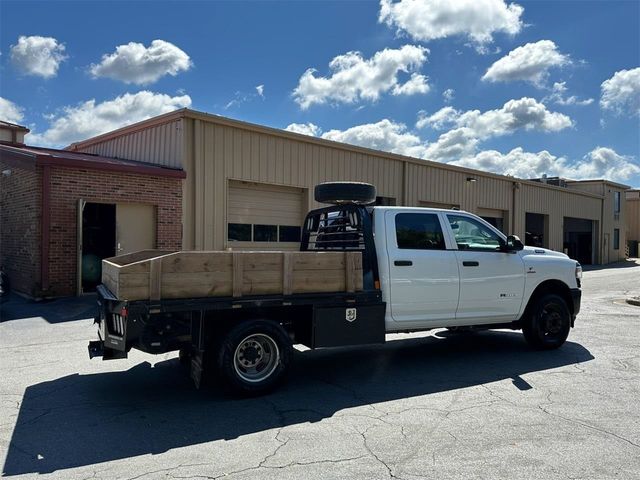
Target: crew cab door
491	280
423	274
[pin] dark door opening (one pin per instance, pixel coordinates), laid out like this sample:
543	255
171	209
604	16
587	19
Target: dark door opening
496	222
578	239
98	241
536	228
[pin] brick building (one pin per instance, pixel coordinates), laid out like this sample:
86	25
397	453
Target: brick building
61	212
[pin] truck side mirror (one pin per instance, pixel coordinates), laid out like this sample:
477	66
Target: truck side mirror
514	244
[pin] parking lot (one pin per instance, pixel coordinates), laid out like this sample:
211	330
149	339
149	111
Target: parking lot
433	405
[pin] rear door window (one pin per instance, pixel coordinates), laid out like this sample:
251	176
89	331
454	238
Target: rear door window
419	231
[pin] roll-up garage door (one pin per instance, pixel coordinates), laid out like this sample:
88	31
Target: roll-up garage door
264	217
494	217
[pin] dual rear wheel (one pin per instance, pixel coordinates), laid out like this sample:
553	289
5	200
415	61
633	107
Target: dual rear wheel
254	357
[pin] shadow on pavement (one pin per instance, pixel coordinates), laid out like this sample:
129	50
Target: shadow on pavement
629	263
87	419
59	310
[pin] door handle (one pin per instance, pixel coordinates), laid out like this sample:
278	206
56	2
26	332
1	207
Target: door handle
403	263
470	264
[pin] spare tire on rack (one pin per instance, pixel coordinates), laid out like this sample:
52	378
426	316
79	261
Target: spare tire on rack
345	192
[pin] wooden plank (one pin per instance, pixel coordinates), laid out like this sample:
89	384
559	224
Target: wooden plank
318	260
155	279
205	274
237	280
312	282
191	262
350	271
133	280
287	273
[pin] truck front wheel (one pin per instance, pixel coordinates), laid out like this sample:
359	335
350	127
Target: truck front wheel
255	357
547	324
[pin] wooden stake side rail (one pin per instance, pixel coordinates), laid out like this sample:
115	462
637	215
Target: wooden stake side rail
155	275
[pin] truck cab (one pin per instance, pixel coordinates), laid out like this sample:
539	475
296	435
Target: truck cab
450	268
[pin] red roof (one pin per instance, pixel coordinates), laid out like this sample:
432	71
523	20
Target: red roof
49	156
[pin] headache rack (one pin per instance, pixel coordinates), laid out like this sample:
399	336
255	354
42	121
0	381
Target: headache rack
346	227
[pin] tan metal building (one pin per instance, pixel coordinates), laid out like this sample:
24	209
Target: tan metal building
249	186
633	220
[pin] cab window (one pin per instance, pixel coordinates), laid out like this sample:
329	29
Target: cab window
419	231
473	235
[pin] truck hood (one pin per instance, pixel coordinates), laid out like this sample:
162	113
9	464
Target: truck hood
541	251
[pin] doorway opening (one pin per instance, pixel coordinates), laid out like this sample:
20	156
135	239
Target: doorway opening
98	241
579	239
536	230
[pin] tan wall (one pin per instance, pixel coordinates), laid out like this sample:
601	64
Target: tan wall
633	218
160	144
215	151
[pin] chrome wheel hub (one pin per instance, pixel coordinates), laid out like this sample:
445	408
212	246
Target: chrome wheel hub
256	358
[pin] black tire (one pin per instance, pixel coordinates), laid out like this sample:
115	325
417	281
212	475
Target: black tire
345	192
271	350
547	322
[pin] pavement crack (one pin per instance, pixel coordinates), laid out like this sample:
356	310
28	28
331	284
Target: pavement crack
591	427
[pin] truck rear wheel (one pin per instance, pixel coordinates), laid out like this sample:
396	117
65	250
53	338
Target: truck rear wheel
254	357
547	323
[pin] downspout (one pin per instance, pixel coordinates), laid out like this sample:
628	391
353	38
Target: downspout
45	225
405	185
516	186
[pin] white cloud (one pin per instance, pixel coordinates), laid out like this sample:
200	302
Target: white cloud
558	96
135	63
89	118
304	129
529	63
522	114
10	112
448	95
354	78
384	135
603	162
452	145
440	120
260	91
477	20
416	84
599	163
621	93
467	130
40	56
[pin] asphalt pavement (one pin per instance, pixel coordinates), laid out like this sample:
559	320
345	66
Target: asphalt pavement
431	405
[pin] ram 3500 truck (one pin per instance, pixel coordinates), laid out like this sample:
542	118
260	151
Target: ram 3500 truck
423	268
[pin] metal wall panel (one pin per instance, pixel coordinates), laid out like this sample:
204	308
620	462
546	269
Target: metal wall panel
160	145
633	219
557	203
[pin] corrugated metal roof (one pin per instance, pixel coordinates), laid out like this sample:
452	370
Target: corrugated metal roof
13	126
53	156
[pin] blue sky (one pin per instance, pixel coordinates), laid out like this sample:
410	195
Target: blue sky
533	87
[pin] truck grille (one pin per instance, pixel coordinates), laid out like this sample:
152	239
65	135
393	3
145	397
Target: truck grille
118	324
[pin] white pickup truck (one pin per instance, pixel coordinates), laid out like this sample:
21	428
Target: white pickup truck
423	268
